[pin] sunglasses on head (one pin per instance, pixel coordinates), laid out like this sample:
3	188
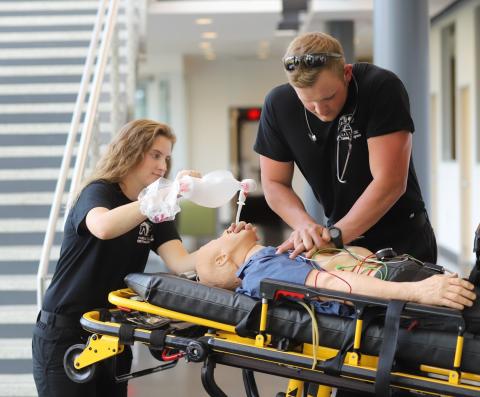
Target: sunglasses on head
308	60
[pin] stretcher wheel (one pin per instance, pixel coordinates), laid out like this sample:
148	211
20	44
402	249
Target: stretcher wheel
83	375
281	394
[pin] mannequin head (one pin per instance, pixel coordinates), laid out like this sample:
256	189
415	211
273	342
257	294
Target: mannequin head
218	261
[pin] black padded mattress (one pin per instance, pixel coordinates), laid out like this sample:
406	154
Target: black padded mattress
289	320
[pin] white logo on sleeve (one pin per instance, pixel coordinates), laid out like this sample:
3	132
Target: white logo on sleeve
145	233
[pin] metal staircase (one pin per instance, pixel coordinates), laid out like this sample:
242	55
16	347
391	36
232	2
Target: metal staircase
43	46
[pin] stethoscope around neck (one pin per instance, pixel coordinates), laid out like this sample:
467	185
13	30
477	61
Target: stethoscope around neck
344	133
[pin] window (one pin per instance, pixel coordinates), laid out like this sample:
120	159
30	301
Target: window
477	60
449	83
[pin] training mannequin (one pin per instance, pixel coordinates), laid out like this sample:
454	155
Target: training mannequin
237	262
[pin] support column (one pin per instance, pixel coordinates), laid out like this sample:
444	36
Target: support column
401	45
344	33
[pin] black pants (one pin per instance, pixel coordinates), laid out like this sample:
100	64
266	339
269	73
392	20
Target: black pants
49	344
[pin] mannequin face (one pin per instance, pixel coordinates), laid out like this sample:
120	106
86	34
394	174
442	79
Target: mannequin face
218	261
325	99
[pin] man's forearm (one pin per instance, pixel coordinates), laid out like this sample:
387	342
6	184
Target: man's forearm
370	207
286	204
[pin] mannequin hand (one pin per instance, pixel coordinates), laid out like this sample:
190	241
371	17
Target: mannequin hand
308	238
445	290
237	227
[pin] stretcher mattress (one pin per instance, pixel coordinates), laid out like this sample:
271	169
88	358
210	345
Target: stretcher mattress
428	341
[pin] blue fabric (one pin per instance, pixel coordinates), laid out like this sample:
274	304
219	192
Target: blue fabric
266	264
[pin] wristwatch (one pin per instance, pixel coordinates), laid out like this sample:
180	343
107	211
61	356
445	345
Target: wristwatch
336	236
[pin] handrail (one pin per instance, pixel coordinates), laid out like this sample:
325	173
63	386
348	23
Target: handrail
93	102
104	38
132	44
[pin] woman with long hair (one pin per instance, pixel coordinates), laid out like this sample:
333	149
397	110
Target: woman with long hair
106	237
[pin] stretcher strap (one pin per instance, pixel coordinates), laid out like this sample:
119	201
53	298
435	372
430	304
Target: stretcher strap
103	314
389	347
250	321
125	334
333	365
157	337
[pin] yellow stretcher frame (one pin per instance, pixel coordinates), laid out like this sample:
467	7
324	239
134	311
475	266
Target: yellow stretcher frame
226	347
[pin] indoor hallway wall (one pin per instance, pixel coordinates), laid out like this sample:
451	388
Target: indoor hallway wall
212	88
170	106
448	175
199	96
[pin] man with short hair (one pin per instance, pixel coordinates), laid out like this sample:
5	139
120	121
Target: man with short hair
349	130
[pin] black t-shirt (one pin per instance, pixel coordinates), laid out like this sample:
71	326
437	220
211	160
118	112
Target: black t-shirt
379	106
90	268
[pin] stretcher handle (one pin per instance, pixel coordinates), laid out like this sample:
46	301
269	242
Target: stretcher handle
273	289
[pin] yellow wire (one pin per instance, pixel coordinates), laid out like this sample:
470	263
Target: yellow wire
315	332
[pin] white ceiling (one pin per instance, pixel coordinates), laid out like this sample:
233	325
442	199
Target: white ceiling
246	28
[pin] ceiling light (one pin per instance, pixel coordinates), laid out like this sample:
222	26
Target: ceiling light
203	21
209	35
205	45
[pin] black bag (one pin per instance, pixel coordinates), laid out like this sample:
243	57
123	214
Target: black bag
403	268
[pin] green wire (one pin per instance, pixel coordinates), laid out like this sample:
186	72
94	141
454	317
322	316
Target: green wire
356	257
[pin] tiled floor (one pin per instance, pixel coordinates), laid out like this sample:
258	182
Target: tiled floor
184	380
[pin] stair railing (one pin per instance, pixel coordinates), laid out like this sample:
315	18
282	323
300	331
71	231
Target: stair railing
94	71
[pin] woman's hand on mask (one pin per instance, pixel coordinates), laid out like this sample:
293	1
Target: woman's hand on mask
192	173
184	186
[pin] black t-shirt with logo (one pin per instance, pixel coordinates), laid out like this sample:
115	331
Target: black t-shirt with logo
89	268
379	106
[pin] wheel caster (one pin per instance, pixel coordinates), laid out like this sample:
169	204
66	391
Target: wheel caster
83	375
